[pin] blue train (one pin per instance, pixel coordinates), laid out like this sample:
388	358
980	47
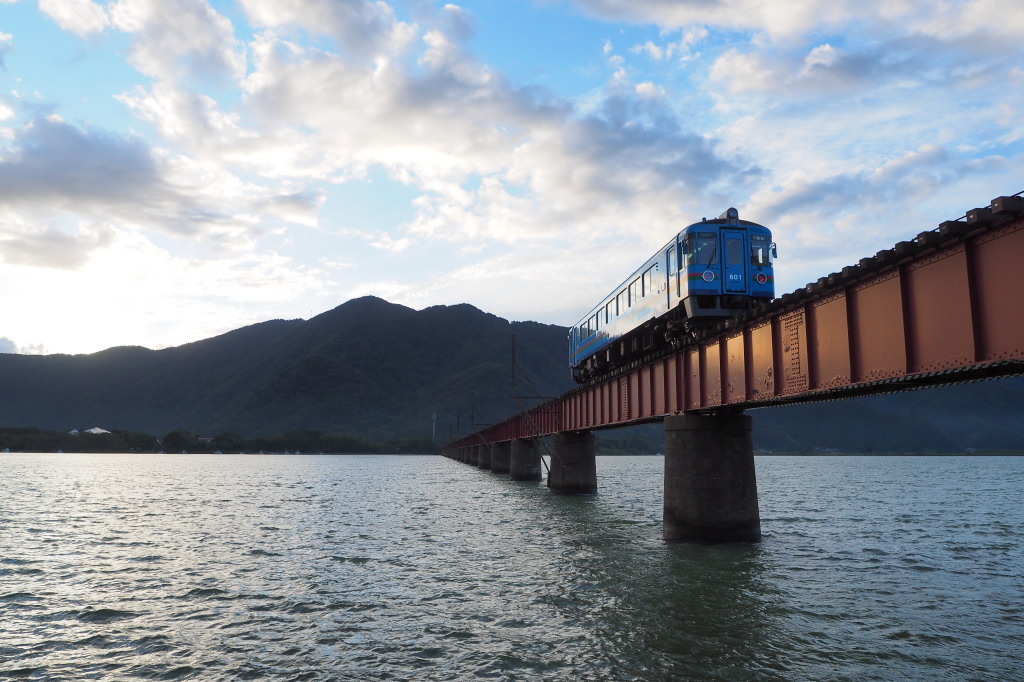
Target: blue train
710	271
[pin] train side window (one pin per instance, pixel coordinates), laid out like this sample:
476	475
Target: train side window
621	302
609	311
758	249
670	259
634	291
647	284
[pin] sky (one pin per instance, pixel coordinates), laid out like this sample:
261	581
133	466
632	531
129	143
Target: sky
171	170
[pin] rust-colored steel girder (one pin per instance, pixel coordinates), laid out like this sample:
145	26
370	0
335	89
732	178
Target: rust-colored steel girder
944	308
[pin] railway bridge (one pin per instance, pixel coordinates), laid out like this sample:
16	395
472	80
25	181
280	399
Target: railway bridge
945	307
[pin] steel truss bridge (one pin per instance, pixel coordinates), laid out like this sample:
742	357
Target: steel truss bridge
945	307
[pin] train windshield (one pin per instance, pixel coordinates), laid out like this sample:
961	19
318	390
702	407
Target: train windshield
759	249
702	248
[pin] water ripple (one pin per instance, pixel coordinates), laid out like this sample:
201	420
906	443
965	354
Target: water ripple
354	568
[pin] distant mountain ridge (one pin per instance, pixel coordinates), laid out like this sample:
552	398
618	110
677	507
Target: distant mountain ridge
381	371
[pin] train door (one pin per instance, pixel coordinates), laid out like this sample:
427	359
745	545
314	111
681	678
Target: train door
735	263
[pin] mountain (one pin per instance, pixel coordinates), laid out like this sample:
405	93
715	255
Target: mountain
368	367
380	371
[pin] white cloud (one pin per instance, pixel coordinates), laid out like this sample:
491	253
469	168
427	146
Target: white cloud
78	16
185	117
784	22
745	72
54	174
826	221
179	39
48	246
53	163
649	90
822	55
653	51
6	42
681	50
362	28
492	162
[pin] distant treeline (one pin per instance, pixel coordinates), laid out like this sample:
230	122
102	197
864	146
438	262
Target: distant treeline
32	439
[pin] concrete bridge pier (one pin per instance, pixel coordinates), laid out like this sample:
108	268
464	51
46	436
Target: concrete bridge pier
573	464
501	453
483	456
710	484
524	464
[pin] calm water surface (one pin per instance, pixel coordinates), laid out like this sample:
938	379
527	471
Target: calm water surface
420	568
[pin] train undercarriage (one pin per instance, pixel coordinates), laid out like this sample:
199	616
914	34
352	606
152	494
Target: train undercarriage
662	335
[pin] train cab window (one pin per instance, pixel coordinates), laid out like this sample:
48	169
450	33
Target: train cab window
702	248
707	248
759	249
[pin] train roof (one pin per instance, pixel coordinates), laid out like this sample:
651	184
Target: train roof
731	218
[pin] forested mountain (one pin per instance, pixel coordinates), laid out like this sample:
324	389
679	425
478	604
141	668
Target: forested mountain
367	368
371	369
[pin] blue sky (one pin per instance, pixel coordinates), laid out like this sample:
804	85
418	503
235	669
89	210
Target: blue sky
174	169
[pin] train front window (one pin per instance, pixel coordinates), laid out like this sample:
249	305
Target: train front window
702	248
758	249
707	248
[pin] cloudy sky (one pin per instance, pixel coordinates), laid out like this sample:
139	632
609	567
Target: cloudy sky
174	169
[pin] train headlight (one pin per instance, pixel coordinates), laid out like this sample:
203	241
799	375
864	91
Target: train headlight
708	276
761	278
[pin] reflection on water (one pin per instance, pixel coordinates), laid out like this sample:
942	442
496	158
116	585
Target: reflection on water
352	567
